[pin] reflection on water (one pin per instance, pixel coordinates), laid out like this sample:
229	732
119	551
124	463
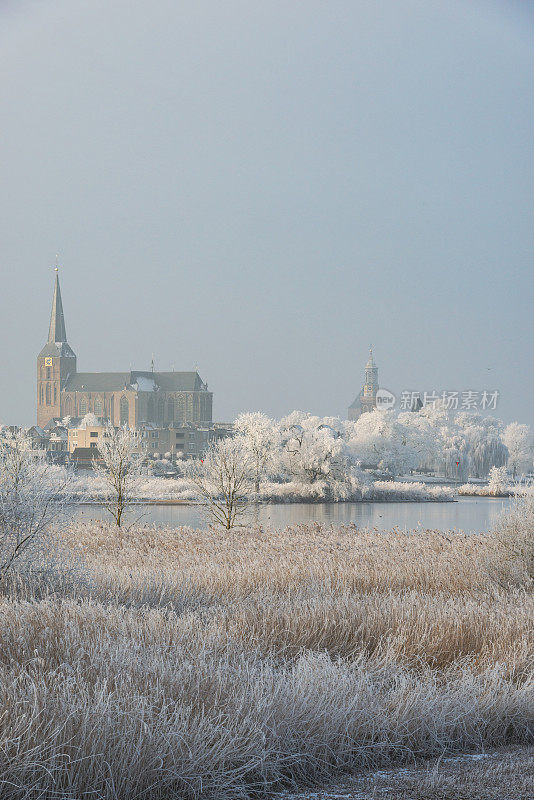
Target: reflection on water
469	514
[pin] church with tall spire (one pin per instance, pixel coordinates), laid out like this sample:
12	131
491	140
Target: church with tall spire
55	363
128	398
366	400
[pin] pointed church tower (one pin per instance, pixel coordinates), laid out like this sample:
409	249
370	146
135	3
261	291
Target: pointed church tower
55	363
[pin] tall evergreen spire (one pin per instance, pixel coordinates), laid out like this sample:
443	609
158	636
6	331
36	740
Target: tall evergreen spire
57	332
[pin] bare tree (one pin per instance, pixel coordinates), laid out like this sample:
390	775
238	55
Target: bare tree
33	494
224	479
118	462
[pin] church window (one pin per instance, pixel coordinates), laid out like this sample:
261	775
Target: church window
161	409
124	411
150	409
180	410
170	410
55	394
47	394
82	407
41	394
98	407
48	373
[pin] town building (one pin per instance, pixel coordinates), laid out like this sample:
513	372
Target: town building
130	398
366	400
186	441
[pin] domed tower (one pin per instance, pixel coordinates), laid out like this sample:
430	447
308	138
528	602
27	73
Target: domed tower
370	388
366	400
55	363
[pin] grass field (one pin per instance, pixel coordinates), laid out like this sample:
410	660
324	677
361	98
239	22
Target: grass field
189	664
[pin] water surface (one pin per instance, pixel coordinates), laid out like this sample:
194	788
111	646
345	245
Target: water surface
469	514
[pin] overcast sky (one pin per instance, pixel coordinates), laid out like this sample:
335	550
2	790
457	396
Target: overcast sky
262	189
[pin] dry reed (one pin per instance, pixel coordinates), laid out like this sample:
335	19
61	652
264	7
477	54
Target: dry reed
188	664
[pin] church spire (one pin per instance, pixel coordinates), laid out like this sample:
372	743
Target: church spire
57	332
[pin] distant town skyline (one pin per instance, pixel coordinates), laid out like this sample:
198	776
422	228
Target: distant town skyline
263	191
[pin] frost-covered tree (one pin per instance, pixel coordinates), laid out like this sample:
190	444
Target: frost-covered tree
224	479
260	437
483	437
519	441
314	449
119	464
498	481
32	498
379	438
420	436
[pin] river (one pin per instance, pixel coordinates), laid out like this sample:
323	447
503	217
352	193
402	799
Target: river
469	514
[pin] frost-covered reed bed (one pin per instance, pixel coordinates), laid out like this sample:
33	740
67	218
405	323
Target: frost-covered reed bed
188	664
354	491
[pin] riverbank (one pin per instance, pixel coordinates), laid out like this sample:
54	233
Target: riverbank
88	487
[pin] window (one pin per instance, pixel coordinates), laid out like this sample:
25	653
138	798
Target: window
47	394
48	373
93	434
82	405
124	411
92	444
55	394
98	407
170	410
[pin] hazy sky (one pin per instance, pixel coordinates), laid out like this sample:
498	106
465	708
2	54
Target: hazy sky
265	188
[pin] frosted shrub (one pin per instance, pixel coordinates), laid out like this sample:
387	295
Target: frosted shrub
514	534
498	481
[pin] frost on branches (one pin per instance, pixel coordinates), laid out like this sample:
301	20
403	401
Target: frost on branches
32	498
259	437
119	466
224	480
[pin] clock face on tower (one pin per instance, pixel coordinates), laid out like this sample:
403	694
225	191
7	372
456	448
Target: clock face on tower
48	362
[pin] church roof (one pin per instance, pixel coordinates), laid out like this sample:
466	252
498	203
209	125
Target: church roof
357	403
97	382
134	381
57	349
57	332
